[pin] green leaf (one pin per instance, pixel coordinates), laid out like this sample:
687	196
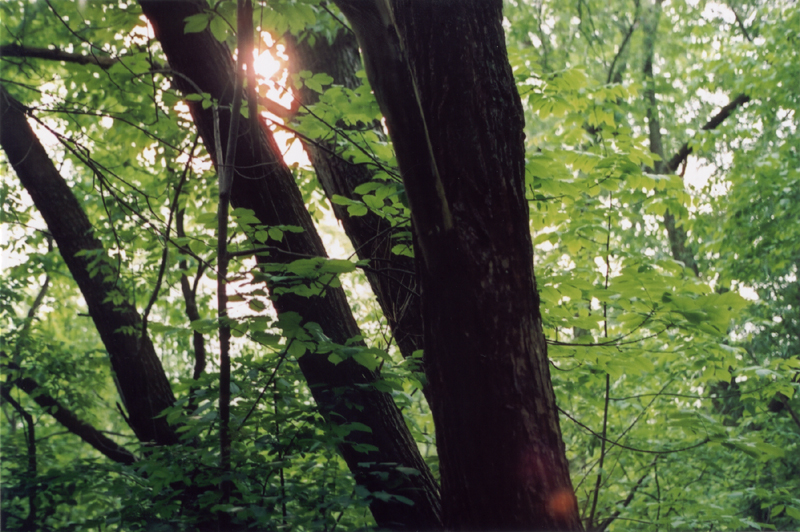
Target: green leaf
793	512
267	339
338	266
357	210
204	326
219	28
196	23
296	349
317	81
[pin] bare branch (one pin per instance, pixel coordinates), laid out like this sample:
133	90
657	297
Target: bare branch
713	123
54	54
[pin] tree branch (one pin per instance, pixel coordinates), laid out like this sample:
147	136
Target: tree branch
623	46
634	449
30	438
69	420
610	519
145	389
715	121
190	300
54	54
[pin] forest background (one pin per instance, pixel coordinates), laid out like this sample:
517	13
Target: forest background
155	379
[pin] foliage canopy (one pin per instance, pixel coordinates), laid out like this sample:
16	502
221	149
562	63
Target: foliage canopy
663	179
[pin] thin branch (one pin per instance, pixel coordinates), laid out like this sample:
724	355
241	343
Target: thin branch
624	44
606	402
740	23
190	300
61	19
77	150
54	54
715	121
165	253
266	249
244	18
37	302
634	449
618	340
70	421
792	413
339	131
608	520
30	440
642	412
603	440
324	5
281	358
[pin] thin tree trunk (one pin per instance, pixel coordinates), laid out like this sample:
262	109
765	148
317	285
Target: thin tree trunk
141	381
265	184
442	78
676	234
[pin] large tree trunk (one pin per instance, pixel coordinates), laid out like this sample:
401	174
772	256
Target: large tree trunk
442	78
141	381
264	184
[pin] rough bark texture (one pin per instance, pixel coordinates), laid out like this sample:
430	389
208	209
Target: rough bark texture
442	78
264	184
392	277
141	381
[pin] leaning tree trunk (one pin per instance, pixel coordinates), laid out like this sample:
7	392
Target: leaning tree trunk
442	79
264	183
141	381
391	276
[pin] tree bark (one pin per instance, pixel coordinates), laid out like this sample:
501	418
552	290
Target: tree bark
391	276
141	381
441	76
264	184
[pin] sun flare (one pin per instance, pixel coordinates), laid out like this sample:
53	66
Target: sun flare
273	75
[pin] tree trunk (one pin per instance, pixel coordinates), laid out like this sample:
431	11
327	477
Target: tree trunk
264	184
391	276
676	234
442	78
141	381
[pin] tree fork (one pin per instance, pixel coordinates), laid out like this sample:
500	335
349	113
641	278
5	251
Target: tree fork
265	184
